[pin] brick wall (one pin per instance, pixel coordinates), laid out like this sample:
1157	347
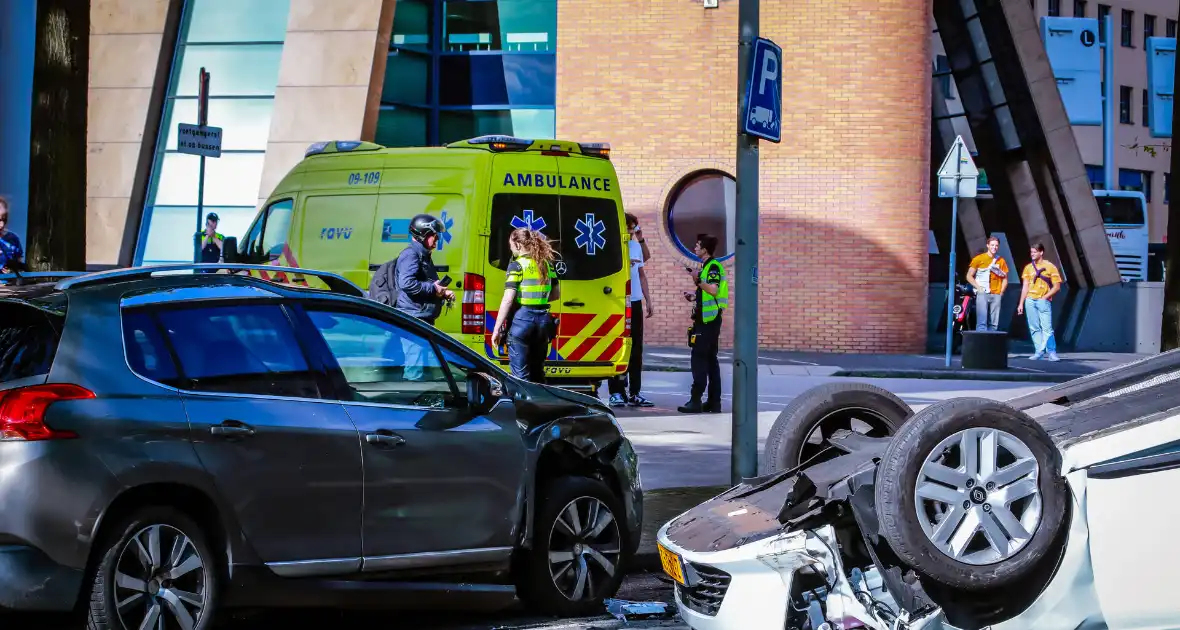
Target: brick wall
843	198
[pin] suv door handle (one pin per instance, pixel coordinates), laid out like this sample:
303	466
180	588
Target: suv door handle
232	428
574	303
385	439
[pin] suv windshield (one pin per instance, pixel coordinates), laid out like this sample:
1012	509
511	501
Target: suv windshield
584	231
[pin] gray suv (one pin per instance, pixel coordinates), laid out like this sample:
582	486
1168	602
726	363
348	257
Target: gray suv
173	442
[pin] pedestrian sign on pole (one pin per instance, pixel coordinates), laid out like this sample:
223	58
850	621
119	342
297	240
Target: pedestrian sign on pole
198	140
762	116
958	176
203	141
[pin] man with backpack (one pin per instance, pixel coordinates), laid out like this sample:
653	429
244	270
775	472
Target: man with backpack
410	283
1041	282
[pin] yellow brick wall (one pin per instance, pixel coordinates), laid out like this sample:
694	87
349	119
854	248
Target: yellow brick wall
844	197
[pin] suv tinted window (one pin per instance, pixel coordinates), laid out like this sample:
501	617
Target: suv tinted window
147	354
239	349
584	231
384	363
28	342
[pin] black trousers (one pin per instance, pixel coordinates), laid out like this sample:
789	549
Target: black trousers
528	343
634	373
706	369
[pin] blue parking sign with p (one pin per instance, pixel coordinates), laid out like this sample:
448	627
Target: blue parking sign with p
762	117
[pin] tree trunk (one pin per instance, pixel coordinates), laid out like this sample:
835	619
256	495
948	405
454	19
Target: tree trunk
57	166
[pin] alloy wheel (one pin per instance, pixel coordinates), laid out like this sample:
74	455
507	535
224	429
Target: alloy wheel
160	581
585	545
977	496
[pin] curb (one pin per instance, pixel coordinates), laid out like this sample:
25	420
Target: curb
962	375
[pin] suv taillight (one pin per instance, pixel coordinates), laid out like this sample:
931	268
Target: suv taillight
22	411
627	327
473	304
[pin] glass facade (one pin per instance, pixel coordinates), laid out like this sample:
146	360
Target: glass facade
240	44
464	68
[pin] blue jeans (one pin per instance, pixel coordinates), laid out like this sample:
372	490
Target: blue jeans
1039	314
528	343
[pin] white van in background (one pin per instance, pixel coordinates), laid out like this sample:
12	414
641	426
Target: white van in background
1124	212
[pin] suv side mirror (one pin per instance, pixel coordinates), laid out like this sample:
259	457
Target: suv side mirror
229	249
483	392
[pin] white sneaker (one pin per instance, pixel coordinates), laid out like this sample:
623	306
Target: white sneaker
1053	356
1035	357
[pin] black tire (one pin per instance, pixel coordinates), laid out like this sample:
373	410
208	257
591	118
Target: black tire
102	610
834	404
897	503
536	584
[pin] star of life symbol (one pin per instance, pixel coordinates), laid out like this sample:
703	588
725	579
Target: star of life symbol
445	237
591	234
536	224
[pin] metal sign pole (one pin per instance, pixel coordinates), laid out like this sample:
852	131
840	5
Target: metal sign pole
744	448
950	283
202	122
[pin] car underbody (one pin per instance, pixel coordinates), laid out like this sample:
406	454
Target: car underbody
805	548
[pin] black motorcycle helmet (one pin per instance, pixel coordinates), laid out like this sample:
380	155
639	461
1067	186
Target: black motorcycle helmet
425	225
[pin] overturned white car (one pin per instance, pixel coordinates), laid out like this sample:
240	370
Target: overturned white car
1056	510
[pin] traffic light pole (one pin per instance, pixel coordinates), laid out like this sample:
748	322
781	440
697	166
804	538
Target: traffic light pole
744	447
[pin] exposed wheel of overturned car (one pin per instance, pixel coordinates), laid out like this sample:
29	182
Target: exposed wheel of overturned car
801	432
969	492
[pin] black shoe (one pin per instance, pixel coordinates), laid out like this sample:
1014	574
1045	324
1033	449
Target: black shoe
712	407
693	406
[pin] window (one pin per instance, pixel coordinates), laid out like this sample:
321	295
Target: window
1148	28
384	363
703	203
1170	28
463	68
239	349
1146	98
1130	179
240	43
586	231
1096	176
1054	8
1128	18
268	234
1125	105
1079	8
1103	13
28	342
942	74
147	354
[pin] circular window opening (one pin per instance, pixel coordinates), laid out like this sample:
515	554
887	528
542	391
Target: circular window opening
703	203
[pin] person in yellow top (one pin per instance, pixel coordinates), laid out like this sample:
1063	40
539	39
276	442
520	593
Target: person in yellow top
988	273
1041	282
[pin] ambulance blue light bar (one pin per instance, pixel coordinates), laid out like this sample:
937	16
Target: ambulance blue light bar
502	143
341	146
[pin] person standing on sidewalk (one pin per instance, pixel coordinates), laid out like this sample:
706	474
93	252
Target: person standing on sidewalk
420	293
988	273
640	308
1041	282
212	242
712	298
524	319
11	253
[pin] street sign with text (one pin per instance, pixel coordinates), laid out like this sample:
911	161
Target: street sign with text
198	140
958	175
762	117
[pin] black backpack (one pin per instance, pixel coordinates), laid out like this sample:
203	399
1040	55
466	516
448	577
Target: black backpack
383	286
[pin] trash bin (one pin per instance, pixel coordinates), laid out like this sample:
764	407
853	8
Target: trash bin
985	350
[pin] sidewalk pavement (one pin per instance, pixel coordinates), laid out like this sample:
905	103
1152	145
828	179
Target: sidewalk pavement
930	366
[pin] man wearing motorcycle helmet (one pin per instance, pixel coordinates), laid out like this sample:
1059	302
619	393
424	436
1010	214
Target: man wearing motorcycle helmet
420	294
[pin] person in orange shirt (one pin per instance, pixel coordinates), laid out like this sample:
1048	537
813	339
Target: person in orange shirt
988	273
1041	282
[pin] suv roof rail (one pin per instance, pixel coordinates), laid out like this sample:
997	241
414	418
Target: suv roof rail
335	282
36	275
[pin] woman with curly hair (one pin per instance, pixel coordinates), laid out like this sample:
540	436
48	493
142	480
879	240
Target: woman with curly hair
529	288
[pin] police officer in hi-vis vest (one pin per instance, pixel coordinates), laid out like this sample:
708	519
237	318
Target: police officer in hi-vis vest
212	241
530	286
711	297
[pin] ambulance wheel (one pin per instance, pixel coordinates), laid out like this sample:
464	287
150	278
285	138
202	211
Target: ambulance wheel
801	432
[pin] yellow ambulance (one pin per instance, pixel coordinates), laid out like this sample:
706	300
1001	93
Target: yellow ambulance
346	208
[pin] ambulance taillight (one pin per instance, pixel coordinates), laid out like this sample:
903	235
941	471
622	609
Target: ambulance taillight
473	304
